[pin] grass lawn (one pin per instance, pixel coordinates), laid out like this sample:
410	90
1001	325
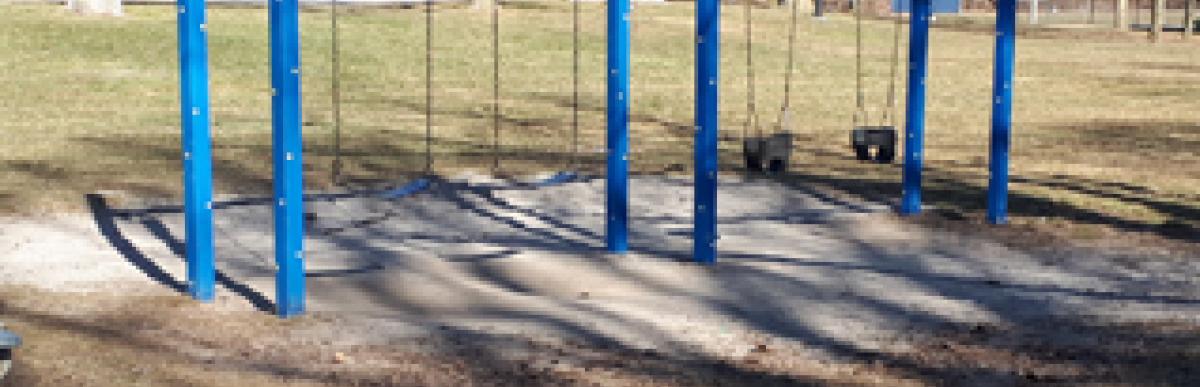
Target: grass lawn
1106	133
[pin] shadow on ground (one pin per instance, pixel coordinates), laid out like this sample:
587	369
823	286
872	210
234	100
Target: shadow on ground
1012	326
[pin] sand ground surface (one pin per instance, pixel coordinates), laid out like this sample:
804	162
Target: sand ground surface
474	281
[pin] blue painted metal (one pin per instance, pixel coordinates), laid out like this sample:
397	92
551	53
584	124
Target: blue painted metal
938	6
197	149
9	340
914	127
818	8
617	206
286	148
1006	39
557	178
708	65
406	190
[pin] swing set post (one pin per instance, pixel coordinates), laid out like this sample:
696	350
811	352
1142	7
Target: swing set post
1006	31
197	150
708	44
286	147
617	185
914	127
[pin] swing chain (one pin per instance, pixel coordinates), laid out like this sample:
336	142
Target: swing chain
429	87
784	121
889	115
860	113
751	110
335	93
575	84
495	86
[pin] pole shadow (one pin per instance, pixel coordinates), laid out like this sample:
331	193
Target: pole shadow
106	221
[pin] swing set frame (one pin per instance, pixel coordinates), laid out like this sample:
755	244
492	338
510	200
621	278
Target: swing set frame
287	152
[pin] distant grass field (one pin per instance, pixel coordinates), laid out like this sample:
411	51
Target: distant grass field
1106	134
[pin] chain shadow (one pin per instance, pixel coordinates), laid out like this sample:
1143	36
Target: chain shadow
954	197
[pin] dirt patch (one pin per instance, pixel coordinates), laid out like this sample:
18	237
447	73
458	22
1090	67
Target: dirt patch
99	339
504	286
111	340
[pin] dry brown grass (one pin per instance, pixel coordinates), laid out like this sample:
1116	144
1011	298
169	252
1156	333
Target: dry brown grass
108	340
101	339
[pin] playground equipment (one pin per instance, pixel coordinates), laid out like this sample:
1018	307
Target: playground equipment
336	88
8	342
768	153
1150	27
938	6
1158	15
772	153
288	203
881	137
914	127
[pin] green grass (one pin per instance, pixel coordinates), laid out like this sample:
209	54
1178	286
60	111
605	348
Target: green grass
1106	126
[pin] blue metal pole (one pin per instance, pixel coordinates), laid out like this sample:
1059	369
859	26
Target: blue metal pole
197	149
708	65
286	149
1006	38
617	209
914	128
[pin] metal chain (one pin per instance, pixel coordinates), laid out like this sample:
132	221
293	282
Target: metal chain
336	94
891	110
751	110
575	85
859	99
428	86
495	85
784	121
791	64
